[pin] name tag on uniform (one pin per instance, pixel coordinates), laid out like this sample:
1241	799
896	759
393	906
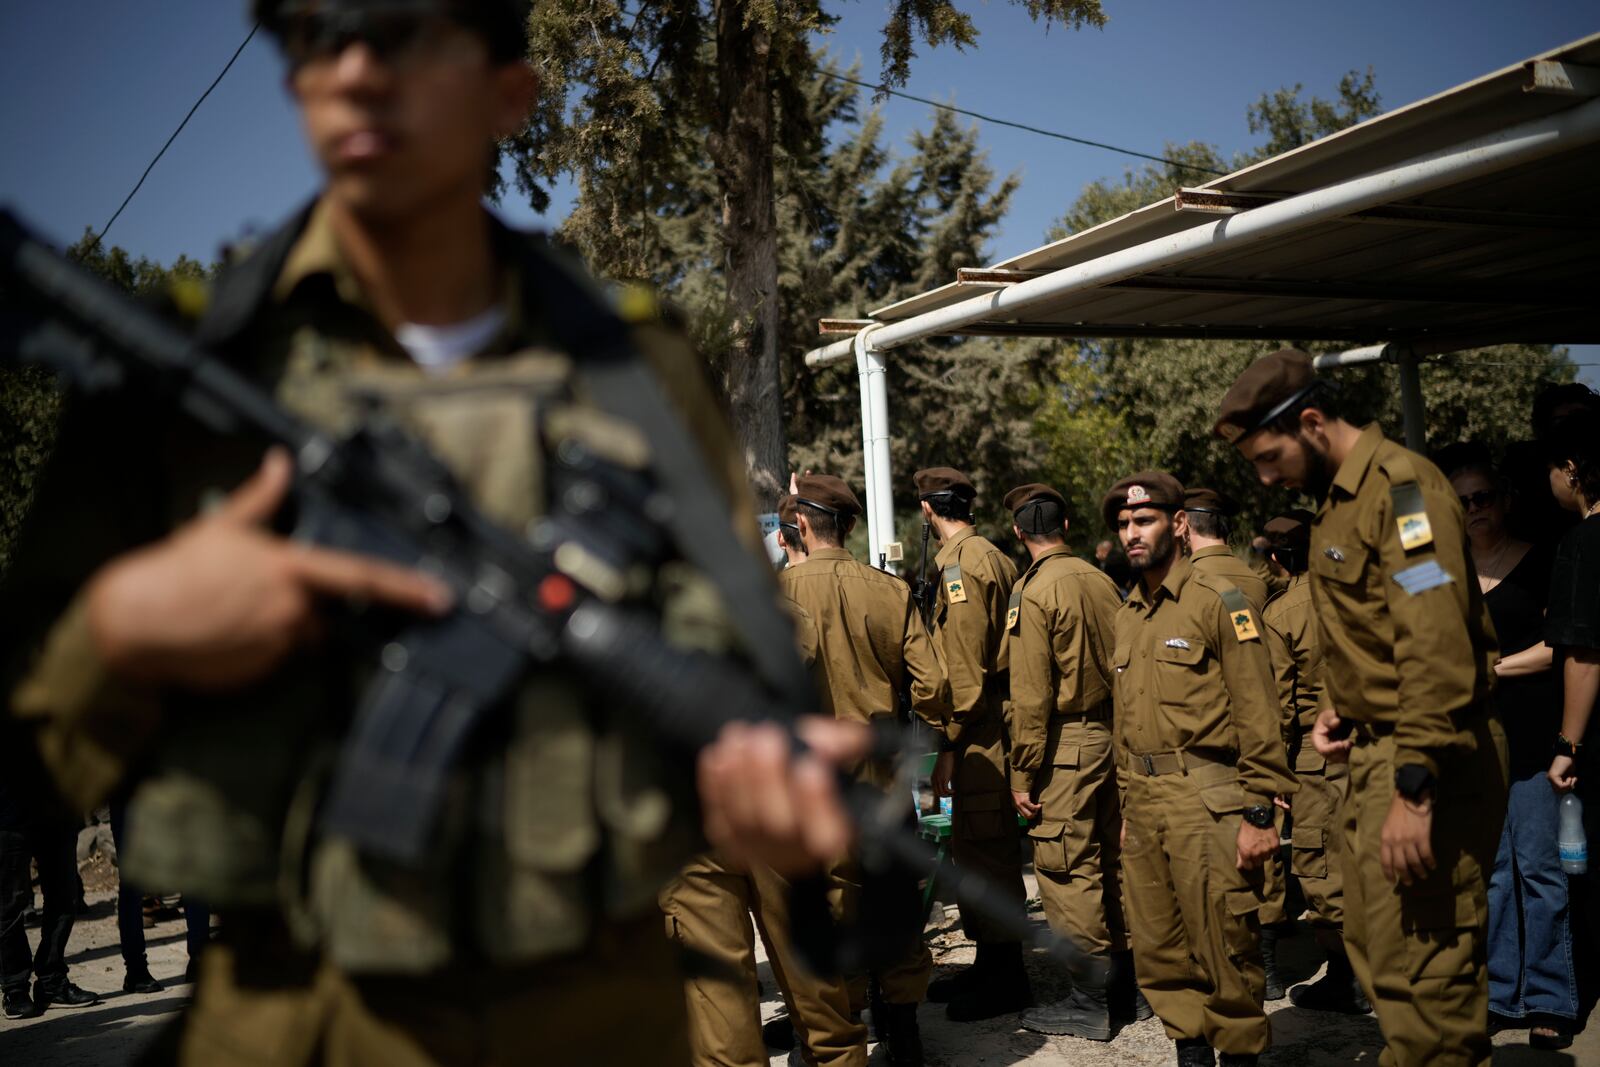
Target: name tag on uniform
955	590
1411	516
1422	577
1014	610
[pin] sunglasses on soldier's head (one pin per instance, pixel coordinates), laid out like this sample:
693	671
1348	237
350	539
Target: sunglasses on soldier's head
1481	499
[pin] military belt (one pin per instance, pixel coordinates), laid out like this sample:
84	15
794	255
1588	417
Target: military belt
1099	713
1153	764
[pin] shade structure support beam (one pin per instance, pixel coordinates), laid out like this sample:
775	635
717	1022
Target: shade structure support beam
1516	145
882	550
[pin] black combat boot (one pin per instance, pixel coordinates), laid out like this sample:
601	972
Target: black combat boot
1083	1014
900	1033
1124	997
1003	990
18	1005
967	980
778	1034
139	980
1336	991
1269	961
63	992
1194	1052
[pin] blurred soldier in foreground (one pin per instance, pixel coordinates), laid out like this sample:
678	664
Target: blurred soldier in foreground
176	631
1409	653
1297	662
1197	726
1210	516
969	625
871	645
1063	779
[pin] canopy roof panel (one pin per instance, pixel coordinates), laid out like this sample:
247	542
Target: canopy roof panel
1509	255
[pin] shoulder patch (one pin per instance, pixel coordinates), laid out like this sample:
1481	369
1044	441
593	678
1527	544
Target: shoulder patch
1411	516
1014	608
1422	577
1239	613
955	587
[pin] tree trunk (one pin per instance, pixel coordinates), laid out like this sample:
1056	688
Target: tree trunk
742	154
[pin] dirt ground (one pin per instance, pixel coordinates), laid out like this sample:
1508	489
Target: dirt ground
113	1032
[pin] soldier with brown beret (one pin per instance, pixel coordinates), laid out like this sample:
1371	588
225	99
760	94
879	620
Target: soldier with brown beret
1198	736
794	549
969	619
1210	514
1063	776
1297	663
1409	652
871	644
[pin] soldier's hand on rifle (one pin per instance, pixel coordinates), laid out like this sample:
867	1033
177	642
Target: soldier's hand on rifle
222	600
762	805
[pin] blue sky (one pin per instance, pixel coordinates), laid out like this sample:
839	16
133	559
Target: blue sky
91	88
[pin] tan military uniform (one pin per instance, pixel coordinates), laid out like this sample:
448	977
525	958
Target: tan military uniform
1298	666
1262	568
1409	652
871	642
370	963
1061	642
975	582
1197	726
708	910
1220	562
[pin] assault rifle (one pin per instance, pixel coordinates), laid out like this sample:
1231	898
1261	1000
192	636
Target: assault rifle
553	595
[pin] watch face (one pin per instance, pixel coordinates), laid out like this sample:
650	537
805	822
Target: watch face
1259	817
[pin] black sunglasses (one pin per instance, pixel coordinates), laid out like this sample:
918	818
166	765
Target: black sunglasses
1481	499
392	34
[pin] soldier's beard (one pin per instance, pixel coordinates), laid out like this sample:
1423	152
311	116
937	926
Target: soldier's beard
1160	553
1318	479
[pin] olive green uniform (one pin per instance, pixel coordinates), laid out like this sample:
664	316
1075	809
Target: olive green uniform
1197	730
708	910
1298	666
871	643
975	585
329	954
1409	652
1061	640
1220	562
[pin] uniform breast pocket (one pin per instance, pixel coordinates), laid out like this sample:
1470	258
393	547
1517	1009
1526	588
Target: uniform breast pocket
1180	670
1344	565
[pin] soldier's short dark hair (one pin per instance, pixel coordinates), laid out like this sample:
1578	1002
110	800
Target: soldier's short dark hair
1210	524
828	528
950	506
791	537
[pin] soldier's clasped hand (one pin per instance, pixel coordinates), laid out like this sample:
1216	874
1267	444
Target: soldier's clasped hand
1325	737
222	601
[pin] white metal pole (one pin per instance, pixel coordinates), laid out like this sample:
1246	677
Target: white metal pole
875	450
1484	155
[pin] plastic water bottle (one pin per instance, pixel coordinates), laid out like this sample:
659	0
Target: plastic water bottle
1569	839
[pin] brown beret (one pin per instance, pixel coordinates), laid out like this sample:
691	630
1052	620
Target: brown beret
1292	528
1147	489
1026	494
1263	392
1209	500
943	480
828	493
786	509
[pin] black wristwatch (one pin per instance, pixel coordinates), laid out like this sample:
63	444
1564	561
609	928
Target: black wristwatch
1413	780
1563	747
1259	816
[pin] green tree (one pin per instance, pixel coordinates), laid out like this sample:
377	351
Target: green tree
1164	394
30	401
622	88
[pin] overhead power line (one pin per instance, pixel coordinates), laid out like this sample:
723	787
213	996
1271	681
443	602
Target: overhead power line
1021	126
140	183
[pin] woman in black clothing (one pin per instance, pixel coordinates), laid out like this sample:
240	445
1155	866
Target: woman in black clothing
1532	981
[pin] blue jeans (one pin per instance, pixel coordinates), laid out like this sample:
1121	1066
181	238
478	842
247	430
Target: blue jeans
1530	939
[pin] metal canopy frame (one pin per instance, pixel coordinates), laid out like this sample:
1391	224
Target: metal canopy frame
1462	220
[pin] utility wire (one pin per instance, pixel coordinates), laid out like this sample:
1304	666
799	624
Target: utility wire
140	183
1020	126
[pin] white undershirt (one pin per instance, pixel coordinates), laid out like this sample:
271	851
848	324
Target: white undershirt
438	348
